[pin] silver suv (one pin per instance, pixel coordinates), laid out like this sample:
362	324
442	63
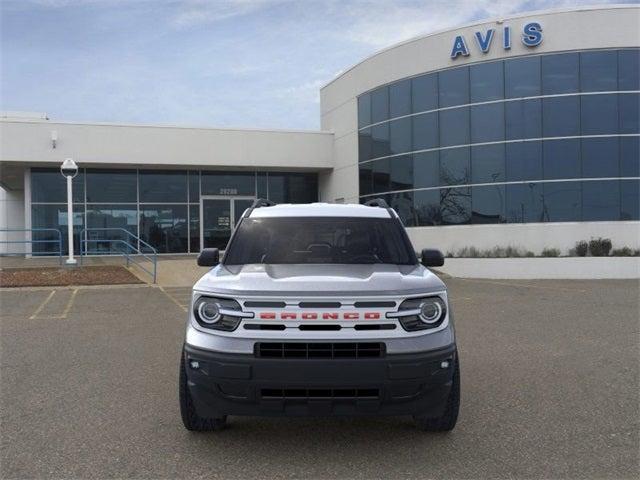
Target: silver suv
320	309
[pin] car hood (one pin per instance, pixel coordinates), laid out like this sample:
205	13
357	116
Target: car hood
319	280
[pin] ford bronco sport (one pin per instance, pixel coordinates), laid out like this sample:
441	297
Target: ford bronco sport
319	309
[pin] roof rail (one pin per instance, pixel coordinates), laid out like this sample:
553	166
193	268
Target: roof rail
262	202
257	203
376	202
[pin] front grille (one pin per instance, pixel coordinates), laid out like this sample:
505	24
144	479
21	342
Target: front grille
319	350
312	393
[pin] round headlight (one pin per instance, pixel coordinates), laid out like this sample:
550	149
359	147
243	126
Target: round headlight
431	310
209	311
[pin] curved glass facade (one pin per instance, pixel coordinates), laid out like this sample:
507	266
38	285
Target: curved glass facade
541	138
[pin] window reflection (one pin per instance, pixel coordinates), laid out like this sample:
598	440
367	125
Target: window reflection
401	172
366	178
425	131
597	154
228	183
560	73
380	140
400	98
427	207
598	71
600	201
424	90
599	114
561	202
488	204
455	166
453	87
165	227
523	119
630	200
365	145
522	77
55	216
630	157
49	186
487	164
426	169
163	186
629	113
112	186
110	220
455	205
380	104
629	69
364	110
523	161
524	203
561	116
561	159
454	127
400	135
486	81
487	123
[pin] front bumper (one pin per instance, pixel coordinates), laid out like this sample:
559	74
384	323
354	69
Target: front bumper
233	384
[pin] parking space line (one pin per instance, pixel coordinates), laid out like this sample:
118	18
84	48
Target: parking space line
173	299
69	304
39	309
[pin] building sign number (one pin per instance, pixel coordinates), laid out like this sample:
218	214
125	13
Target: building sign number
531	37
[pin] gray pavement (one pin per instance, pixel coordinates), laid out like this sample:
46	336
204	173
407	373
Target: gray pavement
550	383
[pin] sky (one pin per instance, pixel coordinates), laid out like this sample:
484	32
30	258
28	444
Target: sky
218	63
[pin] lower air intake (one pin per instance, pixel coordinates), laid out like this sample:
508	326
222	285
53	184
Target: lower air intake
304	350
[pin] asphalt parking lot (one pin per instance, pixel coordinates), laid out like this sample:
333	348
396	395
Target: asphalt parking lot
550	382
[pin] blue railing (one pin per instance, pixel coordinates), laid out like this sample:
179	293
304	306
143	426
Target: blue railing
130	247
57	241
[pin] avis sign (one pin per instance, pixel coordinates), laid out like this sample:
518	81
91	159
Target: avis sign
531	37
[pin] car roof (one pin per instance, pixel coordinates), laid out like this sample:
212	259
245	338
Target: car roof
320	210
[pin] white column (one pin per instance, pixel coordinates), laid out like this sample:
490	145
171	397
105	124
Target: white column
70	260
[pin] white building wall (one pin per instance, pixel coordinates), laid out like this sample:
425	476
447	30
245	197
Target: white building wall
11	217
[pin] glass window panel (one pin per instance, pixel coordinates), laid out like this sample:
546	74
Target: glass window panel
560	73
455	205
561	159
425	131
523	161
488	204
487	81
600	157
381	175
523	119
630	200
228	183
424	92
112	186
293	187
487	164
402	172
630	156
426	169
165	227
115	218
366	178
194	228
629	69
599	71
364	110
163	186
380	105
453	87
600	201
629	113
522	77
561	116
380	141
562	201
49	186
455	166
524	203
400	98
487	123
262	185
599	114
426	204
454	127
54	216
194	186
402	203
365	145
400	135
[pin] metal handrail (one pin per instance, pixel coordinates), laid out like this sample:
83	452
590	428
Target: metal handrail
32	241
150	256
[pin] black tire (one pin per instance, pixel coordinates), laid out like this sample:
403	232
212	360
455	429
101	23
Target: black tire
190	418
448	420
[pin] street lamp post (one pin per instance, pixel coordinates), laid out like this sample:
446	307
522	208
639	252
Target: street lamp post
69	169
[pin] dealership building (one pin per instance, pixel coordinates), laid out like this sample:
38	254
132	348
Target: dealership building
520	131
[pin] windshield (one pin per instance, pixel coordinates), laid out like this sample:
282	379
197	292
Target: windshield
345	240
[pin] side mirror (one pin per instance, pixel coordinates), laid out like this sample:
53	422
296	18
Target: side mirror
209	257
432	258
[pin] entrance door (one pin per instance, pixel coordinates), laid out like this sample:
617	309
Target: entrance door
218	218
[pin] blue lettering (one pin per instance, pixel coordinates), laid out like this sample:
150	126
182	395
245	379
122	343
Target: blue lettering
532	34
485	43
459	47
506	38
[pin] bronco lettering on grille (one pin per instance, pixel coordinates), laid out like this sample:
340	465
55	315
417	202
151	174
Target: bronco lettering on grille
317	316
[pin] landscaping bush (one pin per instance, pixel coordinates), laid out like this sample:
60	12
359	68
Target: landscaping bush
600	247
625	252
550	252
582	248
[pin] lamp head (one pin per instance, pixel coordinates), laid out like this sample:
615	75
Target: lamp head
69	168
